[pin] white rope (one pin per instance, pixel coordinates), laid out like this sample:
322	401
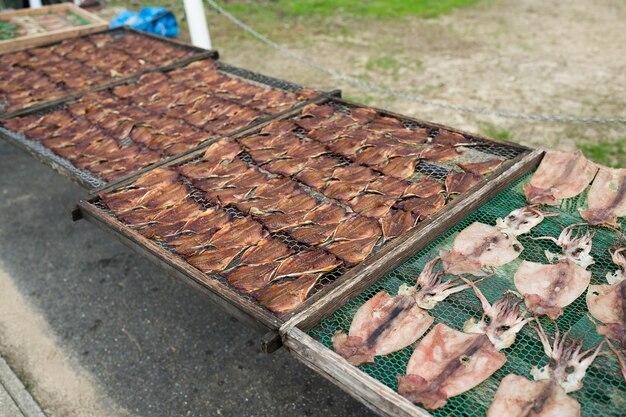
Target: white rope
421	100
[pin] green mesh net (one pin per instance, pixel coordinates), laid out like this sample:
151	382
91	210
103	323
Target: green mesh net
604	391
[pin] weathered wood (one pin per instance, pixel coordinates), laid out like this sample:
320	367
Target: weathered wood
403	247
11	45
219	293
271	342
375	395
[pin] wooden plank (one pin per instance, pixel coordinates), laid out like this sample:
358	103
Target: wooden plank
11	45
271	342
375	395
403	247
219	293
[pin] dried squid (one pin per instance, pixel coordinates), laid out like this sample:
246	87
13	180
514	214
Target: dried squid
447	363
548	288
501	321
560	175
480	245
607	198
546	396
607	303
386	324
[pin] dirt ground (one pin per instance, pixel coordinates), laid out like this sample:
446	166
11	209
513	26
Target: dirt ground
529	56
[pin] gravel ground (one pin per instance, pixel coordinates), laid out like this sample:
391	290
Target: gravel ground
147	344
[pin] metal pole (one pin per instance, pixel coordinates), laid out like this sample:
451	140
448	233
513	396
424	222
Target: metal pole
34	4
198	28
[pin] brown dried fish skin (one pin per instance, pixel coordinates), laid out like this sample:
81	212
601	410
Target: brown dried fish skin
281	298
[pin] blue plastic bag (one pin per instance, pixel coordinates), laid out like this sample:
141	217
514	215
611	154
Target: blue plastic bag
157	20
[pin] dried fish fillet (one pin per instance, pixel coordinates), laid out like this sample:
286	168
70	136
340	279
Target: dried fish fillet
397	222
607	198
281	298
519	397
251	278
446	363
400	166
372	205
353	251
460	182
480	168
440	153
425	187
242	232
267	250
423	207
384	324
357	227
215	260
548	288
314	234
310	261
560	175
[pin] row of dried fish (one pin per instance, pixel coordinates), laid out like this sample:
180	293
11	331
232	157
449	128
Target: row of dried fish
395	203
46	73
447	362
114	133
384	143
563	175
281	204
160	207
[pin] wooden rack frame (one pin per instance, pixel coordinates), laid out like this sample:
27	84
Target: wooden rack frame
371	269
96	23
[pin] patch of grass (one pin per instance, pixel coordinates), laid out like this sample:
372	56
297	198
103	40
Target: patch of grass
384	63
371	8
606	152
492	131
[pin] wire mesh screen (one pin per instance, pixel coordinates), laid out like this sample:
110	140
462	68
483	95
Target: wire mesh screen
604	390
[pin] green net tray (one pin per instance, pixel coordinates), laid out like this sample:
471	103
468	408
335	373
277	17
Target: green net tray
604	391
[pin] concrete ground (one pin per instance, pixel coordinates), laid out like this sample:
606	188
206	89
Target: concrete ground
93	329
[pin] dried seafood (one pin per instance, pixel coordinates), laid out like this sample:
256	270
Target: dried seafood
607	198
607	302
480	245
548	288
560	175
501	321
386	324
446	363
